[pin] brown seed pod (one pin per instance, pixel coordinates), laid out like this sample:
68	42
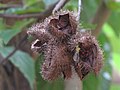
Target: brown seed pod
39	32
38	46
61	26
90	55
82	69
57	62
64	47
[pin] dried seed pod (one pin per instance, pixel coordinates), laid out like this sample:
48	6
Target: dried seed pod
70	18
65	47
61	25
54	30
82	69
90	55
38	46
39	31
57	62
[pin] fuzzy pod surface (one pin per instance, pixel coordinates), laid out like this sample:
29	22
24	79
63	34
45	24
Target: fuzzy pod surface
65	47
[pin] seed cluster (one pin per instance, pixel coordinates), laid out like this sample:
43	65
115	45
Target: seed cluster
64	47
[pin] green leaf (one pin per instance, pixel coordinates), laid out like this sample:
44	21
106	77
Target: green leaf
21	24
7	35
72	5
114	22
89	8
1	42
114	40
2	24
113	5
90	82
24	10
115	87
31	2
30	6
115	43
87	26
116	62
23	62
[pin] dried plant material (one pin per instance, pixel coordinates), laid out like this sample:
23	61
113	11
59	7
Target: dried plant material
57	62
64	47
90	55
38	46
38	31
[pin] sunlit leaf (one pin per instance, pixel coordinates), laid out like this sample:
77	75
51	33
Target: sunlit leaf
114	40
116	63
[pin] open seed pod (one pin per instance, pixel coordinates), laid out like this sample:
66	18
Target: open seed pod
64	47
89	56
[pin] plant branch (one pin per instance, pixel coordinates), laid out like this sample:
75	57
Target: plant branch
79	10
40	15
59	5
100	17
9	6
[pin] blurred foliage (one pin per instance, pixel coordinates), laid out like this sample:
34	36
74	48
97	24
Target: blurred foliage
109	40
113	5
22	61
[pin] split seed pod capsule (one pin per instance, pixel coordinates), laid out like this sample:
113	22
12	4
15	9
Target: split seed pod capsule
64	47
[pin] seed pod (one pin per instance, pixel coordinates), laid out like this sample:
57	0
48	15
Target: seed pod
42	36
57	62
38	46
90	55
39	32
64	47
62	24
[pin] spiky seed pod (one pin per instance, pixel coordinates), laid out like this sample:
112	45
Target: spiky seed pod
99	61
62	24
38	46
69	17
82	69
90	55
39	31
64	47
54	30
57	62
